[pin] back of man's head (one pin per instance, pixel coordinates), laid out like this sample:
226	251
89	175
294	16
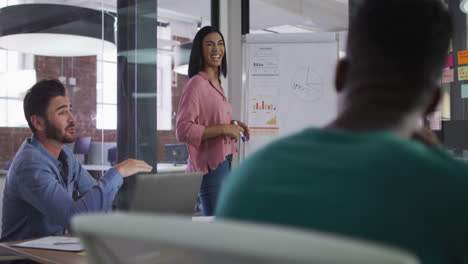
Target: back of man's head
397	48
37	99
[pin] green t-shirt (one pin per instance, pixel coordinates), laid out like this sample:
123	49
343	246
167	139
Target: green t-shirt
371	185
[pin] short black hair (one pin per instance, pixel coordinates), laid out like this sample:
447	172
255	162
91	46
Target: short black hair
38	97
398	45
196	54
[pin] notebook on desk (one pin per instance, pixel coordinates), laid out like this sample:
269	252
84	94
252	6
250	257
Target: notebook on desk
171	193
62	243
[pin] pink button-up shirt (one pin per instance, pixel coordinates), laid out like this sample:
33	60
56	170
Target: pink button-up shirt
202	105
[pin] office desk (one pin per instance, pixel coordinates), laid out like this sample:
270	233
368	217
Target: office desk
162	167
169	167
96	167
44	256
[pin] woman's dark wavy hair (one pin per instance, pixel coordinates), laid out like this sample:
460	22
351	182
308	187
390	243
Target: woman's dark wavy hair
196	54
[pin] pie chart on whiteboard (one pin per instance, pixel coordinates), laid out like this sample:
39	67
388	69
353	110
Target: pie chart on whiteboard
307	84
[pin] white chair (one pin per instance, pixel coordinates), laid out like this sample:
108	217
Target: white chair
139	238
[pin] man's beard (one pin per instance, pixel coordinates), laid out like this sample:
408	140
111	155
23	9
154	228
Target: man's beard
52	132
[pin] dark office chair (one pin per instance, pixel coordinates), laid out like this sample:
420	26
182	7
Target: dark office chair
82	146
112	155
8	165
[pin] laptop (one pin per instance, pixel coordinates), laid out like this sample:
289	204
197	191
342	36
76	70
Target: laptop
176	153
171	193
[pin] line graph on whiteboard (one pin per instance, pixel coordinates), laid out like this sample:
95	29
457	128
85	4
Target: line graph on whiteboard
307	84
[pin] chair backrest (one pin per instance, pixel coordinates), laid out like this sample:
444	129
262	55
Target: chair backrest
170	193
112	155
81	149
82	145
137	238
98	153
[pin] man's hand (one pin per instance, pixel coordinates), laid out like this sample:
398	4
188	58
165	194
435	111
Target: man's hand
426	136
132	166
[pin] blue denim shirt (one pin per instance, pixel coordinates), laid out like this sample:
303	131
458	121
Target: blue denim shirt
38	192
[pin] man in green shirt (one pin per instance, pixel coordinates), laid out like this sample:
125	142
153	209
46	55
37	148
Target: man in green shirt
364	175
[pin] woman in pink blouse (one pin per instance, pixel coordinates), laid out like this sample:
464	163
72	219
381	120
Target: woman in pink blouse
204	120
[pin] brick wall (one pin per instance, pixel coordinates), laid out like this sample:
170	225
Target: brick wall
82	95
10	141
83	99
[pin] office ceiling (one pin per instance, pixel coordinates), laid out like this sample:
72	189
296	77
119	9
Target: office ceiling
309	15
265	15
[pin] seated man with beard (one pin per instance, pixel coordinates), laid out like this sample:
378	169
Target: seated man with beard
46	185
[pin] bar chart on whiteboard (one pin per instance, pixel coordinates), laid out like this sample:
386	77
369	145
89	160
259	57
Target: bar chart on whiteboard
264	117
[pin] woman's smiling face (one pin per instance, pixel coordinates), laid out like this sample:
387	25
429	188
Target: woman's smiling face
213	50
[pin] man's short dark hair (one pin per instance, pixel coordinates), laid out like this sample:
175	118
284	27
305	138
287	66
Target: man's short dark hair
38	97
398	46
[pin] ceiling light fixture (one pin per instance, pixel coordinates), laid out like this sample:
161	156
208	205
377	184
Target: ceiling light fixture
56	30
464	6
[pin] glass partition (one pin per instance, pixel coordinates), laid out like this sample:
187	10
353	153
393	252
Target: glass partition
60	41
92	79
123	78
178	22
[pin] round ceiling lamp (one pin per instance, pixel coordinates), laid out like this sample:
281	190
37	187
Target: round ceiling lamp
464	6
56	30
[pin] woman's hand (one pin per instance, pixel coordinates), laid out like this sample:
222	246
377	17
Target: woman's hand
229	130
232	131
246	130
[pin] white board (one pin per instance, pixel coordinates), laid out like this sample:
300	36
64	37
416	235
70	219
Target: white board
289	84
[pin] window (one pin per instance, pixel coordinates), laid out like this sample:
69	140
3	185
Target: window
16	78
106	86
164	77
106	93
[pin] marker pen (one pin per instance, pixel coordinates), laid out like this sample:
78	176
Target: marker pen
241	134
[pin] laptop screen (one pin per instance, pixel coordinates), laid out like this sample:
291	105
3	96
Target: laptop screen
176	153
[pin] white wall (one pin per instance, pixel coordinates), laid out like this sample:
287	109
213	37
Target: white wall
230	26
